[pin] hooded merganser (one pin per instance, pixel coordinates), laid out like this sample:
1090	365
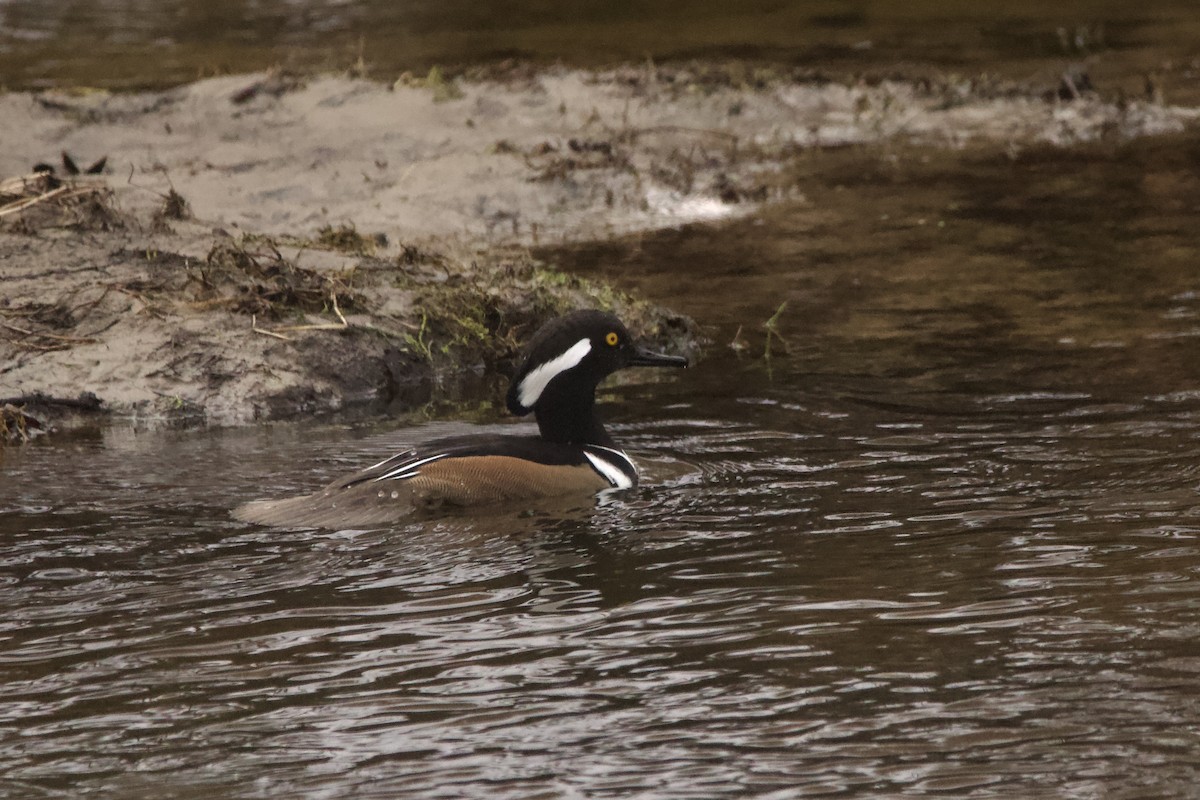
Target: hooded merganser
573	454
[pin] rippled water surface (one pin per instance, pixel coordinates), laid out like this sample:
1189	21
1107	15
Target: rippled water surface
944	542
141	43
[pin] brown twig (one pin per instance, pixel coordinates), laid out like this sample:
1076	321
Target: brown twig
21	205
67	339
20	185
12	327
318	326
254	327
338	311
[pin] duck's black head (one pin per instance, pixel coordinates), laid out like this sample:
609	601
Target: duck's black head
562	365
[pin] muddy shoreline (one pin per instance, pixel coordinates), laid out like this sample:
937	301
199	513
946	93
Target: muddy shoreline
265	246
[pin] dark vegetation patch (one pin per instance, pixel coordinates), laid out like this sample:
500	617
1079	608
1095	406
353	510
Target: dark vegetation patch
17	425
43	200
174	207
253	277
346	239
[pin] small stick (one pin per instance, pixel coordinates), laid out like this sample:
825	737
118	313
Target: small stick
318	326
69	339
338	311
12	327
21	183
254	327
90	303
717	134
21	205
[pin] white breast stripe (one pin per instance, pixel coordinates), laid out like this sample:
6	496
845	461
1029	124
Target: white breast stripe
533	384
611	472
390	458
404	470
619	454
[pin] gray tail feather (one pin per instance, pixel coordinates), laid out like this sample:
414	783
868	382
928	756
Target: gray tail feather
301	512
325	509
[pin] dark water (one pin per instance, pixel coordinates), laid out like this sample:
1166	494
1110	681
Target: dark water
141	43
945	543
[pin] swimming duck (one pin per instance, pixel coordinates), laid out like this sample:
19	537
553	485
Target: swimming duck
572	453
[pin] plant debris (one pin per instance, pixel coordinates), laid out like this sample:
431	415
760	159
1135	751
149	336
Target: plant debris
17	425
174	207
275	84
444	88
347	239
229	330
253	277
43	200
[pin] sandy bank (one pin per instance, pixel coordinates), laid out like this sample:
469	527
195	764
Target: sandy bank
542	156
151	314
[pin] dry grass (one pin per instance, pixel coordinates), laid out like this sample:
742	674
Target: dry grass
43	200
253	277
17	426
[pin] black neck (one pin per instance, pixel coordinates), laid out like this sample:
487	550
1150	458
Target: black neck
568	414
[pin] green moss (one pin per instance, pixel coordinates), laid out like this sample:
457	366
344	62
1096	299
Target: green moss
479	313
417	343
443	88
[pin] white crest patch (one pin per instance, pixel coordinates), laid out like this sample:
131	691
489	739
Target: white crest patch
533	384
611	472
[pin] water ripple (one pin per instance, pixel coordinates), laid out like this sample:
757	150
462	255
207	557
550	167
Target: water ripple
941	606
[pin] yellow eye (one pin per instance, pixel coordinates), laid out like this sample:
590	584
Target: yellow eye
612	338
